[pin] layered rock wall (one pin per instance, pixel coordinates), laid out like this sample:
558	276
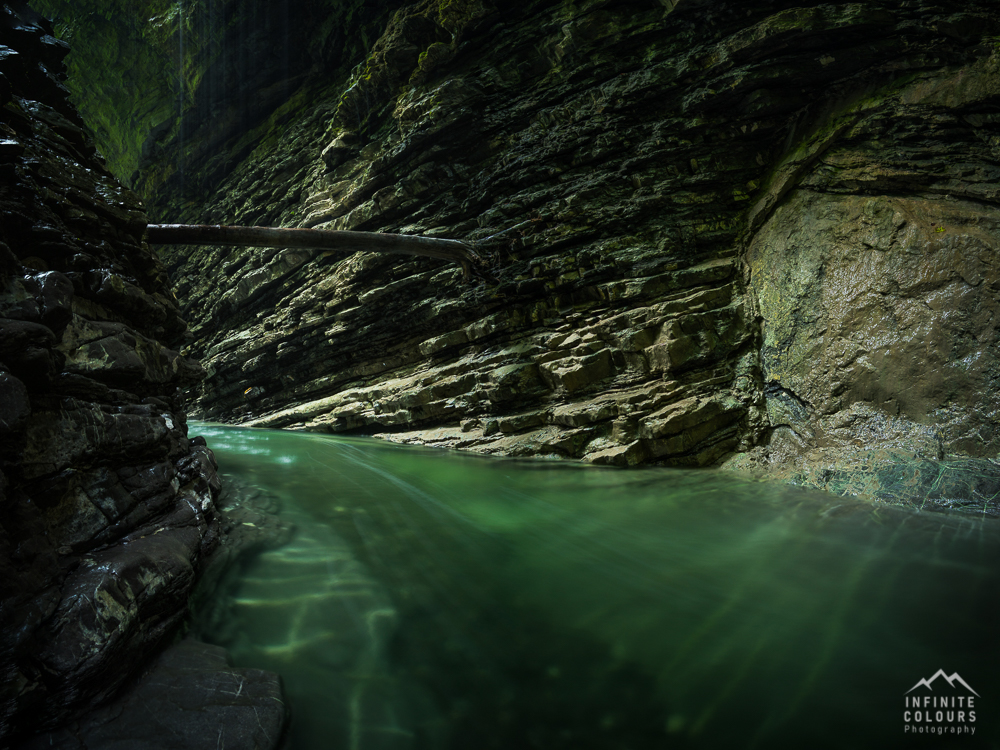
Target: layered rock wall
756	230
615	332
659	185
106	506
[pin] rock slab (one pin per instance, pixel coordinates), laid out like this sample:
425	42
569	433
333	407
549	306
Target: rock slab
189	699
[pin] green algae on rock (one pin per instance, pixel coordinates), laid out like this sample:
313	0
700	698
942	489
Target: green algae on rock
163	75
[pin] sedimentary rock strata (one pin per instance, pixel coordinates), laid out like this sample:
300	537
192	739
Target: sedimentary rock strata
761	231
757	234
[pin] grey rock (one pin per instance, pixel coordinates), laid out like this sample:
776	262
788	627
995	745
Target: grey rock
15	408
188	699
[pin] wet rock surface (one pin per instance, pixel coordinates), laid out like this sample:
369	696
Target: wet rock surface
759	234
195	700
716	229
107	508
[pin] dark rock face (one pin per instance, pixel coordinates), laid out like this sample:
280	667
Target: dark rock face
762	230
717	227
197	700
872	266
106	507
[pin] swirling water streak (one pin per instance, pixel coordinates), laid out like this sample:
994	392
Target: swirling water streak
432	599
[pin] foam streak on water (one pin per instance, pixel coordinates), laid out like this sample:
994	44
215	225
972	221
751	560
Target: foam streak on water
430	599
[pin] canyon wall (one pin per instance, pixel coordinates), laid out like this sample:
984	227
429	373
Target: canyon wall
757	235
761	234
107	509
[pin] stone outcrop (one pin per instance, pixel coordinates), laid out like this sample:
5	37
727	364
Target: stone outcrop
107	508
198	702
761	235
872	267
761	231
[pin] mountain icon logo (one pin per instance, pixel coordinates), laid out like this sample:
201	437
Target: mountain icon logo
950	679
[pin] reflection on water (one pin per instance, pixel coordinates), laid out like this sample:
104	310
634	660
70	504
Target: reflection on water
431	599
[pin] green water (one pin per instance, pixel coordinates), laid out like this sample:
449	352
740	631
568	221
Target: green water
432	599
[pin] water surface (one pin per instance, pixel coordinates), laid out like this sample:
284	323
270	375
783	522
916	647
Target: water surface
435	599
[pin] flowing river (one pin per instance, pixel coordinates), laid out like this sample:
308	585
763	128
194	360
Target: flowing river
431	599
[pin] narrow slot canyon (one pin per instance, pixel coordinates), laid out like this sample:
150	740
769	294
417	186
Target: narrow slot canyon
563	374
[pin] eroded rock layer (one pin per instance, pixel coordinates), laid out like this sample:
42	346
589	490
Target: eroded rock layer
106	507
616	331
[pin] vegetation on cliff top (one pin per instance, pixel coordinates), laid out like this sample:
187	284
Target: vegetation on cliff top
202	72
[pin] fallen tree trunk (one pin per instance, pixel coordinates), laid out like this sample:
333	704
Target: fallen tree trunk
320	239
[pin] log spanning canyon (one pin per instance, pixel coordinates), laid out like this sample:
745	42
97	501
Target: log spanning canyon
320	239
